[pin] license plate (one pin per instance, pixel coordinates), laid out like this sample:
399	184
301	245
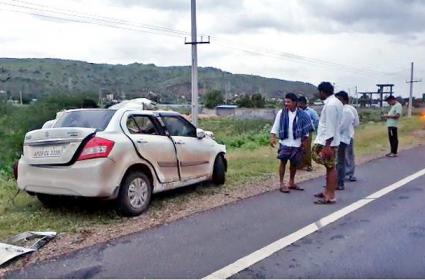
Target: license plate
48	152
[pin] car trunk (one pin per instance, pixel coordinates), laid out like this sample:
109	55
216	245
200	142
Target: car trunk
54	145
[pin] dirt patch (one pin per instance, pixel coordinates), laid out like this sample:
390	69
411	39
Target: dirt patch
167	208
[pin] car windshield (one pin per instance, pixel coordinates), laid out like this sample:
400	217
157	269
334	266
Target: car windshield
98	119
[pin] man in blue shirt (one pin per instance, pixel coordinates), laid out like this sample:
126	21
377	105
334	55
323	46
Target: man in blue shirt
302	104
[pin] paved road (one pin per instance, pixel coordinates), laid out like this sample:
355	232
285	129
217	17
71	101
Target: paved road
383	239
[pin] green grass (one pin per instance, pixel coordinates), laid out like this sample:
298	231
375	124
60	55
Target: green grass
249	134
246	165
373	137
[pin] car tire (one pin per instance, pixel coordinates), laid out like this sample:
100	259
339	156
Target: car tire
219	171
50	201
135	194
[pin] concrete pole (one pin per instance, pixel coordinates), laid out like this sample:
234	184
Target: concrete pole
194	66
409	110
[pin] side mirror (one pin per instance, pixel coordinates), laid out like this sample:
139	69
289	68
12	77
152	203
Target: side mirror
200	133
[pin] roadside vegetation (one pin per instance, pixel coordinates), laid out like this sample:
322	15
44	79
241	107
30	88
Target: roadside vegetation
250	158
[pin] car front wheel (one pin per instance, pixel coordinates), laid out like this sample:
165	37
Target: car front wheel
219	171
135	194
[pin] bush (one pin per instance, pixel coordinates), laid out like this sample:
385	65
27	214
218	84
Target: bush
213	98
16	121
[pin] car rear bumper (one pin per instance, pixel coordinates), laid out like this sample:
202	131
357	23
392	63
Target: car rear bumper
91	178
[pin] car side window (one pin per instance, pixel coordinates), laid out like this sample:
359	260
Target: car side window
141	125
178	127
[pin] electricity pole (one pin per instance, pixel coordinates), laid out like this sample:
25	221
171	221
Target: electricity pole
194	42
357	97
409	111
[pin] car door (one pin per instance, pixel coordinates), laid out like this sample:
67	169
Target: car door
194	154
154	146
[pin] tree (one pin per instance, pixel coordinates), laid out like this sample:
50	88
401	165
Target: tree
253	101
213	98
244	102
258	101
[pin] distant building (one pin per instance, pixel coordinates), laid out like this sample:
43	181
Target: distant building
225	110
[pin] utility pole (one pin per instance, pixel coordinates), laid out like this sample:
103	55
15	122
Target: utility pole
357	97
20	97
194	42
409	111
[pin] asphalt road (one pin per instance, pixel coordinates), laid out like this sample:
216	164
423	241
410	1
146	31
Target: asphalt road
384	239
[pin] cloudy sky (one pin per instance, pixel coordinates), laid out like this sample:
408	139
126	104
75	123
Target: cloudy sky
349	42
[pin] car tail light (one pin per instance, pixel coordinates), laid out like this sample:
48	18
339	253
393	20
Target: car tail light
96	148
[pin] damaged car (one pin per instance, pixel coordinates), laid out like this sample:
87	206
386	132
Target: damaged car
121	154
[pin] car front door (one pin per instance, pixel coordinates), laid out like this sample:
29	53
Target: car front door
155	147
194	154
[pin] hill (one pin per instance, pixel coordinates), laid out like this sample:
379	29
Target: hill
38	77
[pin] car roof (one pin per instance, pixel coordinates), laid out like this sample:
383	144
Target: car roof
148	112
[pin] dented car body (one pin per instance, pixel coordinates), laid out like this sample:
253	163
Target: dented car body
119	154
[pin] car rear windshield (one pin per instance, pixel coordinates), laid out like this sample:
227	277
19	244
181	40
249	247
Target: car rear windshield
98	119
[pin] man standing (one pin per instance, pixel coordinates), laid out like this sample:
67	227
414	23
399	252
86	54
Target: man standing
346	130
327	140
302	104
350	164
392	119
292	126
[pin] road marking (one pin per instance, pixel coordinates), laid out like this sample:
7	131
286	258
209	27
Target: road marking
280	244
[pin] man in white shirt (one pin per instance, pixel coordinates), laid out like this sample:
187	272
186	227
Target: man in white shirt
292	126
350	164
346	132
327	140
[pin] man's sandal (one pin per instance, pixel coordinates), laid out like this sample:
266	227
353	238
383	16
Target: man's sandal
323	201
319	195
284	190
295	187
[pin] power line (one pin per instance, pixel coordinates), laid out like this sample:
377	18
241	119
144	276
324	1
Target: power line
73	13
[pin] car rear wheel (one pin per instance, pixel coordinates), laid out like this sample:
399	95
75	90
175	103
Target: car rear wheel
219	171
135	194
50	201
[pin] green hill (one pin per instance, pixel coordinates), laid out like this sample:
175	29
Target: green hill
38	77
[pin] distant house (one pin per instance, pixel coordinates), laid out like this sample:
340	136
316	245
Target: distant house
318	102
225	110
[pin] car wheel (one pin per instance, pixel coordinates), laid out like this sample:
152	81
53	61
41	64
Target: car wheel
219	171
135	194
50	201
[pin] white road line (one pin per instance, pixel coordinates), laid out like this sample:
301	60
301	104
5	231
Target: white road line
278	245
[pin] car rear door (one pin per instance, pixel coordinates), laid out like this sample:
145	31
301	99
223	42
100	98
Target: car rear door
194	154
153	145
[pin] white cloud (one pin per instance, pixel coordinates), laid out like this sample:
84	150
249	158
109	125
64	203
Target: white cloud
382	36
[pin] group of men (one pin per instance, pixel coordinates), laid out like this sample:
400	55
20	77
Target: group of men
333	145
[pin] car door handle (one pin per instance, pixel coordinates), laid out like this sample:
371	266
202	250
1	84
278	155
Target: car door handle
179	142
142	141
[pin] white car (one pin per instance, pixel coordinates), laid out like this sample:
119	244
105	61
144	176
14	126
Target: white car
123	154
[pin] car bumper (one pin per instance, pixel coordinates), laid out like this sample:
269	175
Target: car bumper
90	178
